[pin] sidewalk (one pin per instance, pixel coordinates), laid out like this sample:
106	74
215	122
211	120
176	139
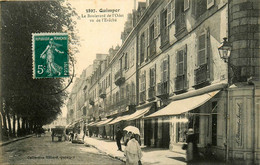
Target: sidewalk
3	143
150	155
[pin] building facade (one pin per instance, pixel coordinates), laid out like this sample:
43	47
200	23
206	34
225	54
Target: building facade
167	77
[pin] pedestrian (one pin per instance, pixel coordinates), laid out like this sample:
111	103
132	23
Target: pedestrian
119	136
84	131
192	148
133	151
52	135
71	136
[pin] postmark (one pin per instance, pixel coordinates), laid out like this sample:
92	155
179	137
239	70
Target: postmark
50	55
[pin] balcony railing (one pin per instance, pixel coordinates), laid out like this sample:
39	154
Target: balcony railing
102	93
142	97
201	75
180	83
180	23
119	78
151	93
162	89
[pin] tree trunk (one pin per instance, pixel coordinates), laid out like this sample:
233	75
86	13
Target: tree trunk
14	129
9	122
18	126
4	122
23	127
27	127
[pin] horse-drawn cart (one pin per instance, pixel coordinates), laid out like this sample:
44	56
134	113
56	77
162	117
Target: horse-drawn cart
58	131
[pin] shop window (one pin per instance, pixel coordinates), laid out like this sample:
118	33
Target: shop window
182	132
194	122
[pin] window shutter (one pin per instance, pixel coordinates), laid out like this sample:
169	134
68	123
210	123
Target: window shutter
177	62
169	13
144	80
210	3
126	61
202	49
161	71
139	50
148	36
158	20
145	44
155	27
186	4
173	10
185	54
154	75
150	77
193	8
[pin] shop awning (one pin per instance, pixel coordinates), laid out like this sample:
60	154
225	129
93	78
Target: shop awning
118	119
92	123
138	114
181	106
104	122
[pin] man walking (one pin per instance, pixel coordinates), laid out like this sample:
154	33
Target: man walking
119	135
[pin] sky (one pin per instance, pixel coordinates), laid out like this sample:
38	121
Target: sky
98	37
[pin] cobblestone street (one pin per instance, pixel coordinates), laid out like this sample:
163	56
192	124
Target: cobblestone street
41	150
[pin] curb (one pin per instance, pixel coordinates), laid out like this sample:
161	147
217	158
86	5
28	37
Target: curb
14	140
110	155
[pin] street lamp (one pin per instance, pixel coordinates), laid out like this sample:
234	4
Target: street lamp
224	50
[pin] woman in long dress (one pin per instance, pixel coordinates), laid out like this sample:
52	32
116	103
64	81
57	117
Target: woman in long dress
48	54
192	149
133	151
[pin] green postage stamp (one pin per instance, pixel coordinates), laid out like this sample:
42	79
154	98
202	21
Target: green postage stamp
50	55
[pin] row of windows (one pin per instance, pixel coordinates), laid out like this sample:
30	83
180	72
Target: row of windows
161	22
181	63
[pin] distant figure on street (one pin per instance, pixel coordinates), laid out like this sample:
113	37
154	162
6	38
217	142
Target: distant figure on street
192	149
84	131
71	136
119	136
52	135
133	151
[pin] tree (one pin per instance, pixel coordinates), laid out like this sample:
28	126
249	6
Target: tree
34	101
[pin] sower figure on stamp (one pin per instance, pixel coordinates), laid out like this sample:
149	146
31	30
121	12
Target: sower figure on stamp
48	54
119	136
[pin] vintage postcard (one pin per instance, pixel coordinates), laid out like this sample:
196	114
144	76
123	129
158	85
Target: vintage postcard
129	82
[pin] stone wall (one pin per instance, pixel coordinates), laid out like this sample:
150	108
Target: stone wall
244	34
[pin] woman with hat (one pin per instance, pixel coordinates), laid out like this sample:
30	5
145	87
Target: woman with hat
133	151
192	149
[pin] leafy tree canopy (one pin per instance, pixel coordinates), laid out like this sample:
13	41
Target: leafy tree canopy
37	100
